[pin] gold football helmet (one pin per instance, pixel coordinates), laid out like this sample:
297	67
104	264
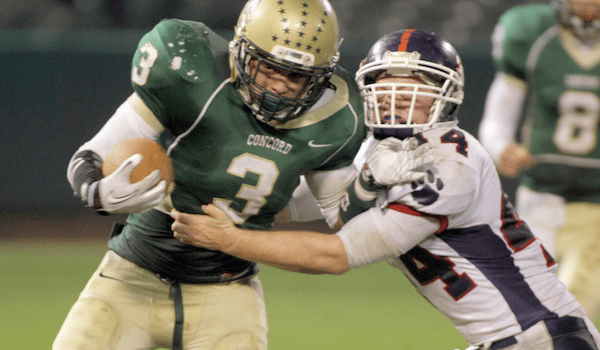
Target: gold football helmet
299	37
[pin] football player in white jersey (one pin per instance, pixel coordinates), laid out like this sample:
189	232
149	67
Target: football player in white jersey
452	232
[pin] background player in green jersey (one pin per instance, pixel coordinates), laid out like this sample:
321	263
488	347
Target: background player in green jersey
549	56
241	122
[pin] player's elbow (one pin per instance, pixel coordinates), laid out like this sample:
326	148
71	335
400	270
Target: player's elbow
335	264
324	268
338	269
326	255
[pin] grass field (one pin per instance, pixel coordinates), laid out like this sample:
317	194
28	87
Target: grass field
374	307
370	308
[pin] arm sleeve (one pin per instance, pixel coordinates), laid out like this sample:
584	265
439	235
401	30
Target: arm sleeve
303	205
84	167
501	114
328	187
377	235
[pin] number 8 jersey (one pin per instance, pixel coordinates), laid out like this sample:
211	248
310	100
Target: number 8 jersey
562	123
458	239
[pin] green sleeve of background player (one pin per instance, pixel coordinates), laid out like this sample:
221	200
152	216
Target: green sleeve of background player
515	34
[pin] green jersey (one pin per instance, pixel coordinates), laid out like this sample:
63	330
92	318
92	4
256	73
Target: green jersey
561	129
221	153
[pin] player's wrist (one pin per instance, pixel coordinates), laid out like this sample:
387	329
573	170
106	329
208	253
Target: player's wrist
231	241
85	174
360	197
365	184
93	198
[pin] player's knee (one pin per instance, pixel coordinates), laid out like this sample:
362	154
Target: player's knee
90	325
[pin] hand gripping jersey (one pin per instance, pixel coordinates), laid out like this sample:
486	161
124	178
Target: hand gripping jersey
564	113
221	153
460	242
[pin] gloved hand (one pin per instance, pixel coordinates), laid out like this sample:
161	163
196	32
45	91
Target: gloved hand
116	194
393	162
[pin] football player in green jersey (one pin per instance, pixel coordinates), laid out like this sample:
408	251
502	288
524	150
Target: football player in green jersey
549	56
241	122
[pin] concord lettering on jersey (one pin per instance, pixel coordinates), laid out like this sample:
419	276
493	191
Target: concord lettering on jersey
269	142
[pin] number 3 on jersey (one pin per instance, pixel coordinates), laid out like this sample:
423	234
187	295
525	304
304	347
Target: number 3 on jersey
253	195
140	75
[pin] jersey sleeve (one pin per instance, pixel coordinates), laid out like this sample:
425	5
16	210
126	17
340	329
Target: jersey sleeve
347	123
377	235
328	187
451	182
170	59
514	35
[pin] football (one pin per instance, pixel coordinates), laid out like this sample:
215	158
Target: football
154	157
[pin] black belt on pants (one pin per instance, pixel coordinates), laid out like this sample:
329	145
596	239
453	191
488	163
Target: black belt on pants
556	327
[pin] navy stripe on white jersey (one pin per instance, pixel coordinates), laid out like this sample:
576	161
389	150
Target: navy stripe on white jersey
459	240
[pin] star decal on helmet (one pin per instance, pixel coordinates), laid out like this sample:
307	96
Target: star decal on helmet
296	31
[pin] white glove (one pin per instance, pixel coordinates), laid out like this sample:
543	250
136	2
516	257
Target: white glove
116	194
394	162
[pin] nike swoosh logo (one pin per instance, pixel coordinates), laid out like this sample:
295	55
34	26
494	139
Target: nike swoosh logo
110	198
311	143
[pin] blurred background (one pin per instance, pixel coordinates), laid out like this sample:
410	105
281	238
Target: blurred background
65	68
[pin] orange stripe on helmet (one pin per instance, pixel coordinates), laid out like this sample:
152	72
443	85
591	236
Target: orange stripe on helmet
404	40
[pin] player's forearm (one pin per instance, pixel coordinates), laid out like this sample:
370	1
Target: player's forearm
504	101
298	251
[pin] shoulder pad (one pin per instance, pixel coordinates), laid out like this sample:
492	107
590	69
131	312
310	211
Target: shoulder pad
175	48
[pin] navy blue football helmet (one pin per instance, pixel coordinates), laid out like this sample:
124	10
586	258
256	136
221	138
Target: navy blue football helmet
410	53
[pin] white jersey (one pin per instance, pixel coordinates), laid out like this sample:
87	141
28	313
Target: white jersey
460	242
